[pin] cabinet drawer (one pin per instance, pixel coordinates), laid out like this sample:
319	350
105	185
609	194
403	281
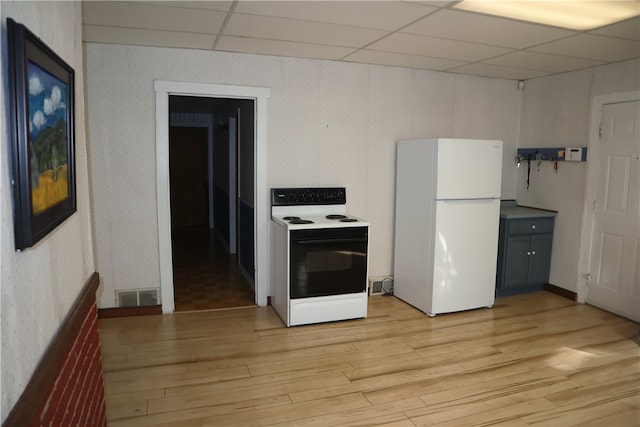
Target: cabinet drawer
531	226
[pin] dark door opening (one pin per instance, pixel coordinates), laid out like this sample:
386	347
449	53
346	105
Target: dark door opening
208	212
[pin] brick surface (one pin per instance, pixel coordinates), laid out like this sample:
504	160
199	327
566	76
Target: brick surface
77	395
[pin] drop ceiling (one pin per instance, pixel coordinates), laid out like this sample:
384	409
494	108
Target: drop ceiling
428	35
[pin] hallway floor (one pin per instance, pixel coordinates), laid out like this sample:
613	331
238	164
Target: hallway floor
205	276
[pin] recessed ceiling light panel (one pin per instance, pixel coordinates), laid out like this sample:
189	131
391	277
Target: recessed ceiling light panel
579	15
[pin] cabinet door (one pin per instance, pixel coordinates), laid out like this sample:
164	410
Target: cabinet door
540	259
517	261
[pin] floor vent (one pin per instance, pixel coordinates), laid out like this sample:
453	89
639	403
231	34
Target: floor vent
380	285
137	297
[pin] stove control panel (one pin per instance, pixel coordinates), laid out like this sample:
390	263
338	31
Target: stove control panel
308	196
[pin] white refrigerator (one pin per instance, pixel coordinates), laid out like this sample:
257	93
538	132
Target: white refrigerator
446	223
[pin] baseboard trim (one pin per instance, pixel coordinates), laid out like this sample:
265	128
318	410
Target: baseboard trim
561	291
47	370
147	310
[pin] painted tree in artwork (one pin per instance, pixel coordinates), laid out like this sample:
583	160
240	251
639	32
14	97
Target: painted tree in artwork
47	139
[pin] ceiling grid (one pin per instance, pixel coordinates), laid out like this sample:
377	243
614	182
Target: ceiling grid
431	35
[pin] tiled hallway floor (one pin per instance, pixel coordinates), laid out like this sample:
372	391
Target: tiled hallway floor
205	276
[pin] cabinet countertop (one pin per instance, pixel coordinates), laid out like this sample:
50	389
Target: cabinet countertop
521	212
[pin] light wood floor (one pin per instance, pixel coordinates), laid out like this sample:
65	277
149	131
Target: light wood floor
534	359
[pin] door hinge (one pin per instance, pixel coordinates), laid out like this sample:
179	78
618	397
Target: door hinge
594	205
600	131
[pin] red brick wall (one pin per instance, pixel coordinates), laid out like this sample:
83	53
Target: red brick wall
76	398
67	388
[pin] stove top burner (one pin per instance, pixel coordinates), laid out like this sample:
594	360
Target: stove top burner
348	220
336	216
300	221
290	218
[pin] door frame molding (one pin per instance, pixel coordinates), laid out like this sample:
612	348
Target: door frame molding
262	215
591	186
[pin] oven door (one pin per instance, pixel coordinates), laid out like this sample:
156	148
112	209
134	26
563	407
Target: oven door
328	261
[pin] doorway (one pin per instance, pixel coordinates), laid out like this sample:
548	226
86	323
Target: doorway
611	232
211	228
260	95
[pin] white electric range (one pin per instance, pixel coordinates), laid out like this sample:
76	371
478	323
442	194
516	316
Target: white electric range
319	256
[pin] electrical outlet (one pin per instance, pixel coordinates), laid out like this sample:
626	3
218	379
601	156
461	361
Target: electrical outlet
380	285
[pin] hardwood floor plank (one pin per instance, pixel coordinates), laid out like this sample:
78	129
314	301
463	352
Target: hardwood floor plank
469	333
615	346
501	410
398	359
393	412
620	368
536	359
327	363
616	388
417	385
402	423
578	414
384	388
409	362
527	385
184	379
145	372
186	397
130	408
196	416
282	414
630	417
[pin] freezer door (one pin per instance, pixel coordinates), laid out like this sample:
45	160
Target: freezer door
465	253
468	169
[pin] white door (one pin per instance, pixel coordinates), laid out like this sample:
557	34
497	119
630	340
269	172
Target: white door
614	283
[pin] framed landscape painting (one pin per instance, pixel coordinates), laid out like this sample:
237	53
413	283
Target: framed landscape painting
43	146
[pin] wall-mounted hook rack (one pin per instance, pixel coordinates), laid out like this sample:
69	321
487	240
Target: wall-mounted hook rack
555	154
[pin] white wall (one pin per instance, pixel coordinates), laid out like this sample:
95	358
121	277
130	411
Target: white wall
555	113
329	123
40	284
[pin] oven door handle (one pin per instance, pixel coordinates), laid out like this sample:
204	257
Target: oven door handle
309	242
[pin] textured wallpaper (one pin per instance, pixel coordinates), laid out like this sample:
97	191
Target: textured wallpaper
40	284
329	123
556	113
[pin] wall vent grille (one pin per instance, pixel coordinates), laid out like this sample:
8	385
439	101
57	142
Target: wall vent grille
137	297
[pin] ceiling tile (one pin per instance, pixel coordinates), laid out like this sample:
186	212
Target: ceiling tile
139	37
423	34
542	62
281	48
435	3
401	60
435	47
383	15
300	31
629	29
588	46
498	71
220	5
156	17
464	26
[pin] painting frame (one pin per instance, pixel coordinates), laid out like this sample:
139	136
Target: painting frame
42	125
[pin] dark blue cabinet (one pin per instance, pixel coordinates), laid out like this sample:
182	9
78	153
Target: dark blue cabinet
524	254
